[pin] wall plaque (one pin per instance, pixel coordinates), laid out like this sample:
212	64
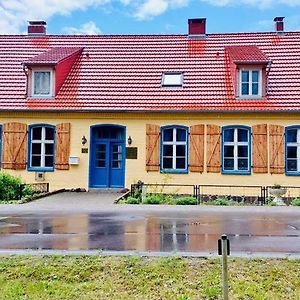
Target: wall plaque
131	152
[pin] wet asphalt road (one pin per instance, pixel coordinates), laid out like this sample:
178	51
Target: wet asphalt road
262	231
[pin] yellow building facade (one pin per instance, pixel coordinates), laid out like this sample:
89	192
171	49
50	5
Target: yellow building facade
79	175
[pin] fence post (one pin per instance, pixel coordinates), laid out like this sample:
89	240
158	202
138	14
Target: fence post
20	191
224	250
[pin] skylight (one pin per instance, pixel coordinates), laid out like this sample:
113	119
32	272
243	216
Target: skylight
172	79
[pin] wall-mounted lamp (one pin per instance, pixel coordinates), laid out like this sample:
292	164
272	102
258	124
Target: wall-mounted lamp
83	140
129	140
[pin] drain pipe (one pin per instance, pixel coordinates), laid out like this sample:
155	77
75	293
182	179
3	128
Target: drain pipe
26	74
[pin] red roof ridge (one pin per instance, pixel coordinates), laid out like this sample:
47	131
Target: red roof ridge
54	55
246	54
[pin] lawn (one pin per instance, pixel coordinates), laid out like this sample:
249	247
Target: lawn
103	277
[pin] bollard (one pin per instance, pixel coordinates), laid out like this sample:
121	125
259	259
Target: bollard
224	250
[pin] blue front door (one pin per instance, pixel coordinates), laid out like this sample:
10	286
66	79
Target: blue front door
107	160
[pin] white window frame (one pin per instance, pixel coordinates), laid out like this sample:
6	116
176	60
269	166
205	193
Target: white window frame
250	95
178	83
175	143
294	144
43	143
235	145
51	83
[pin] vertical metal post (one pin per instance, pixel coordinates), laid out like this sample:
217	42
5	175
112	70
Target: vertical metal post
144	192
224	242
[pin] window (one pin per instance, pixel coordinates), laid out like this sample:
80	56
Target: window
293	150
250	83
42	147
236	150
174	149
172	79
42	84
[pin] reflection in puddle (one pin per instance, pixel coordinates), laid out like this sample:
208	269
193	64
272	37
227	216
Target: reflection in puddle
147	233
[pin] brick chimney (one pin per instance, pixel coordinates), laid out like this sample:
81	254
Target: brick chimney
279	24
197	27
37	28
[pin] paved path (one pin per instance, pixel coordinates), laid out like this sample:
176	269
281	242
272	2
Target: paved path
72	202
88	223
67	201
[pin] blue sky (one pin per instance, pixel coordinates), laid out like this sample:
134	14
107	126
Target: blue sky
146	16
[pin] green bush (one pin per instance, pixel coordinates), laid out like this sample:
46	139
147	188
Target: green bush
221	201
153	199
9	187
186	201
132	200
27	191
296	202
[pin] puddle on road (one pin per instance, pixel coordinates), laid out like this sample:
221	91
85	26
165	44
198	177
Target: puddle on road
147	233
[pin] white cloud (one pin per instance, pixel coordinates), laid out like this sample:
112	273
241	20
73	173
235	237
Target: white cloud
153	8
86	28
15	13
257	3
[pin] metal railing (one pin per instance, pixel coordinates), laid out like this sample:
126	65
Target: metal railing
35	188
238	193
251	194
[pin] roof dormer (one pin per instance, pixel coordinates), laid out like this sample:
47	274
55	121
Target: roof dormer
248	66
48	71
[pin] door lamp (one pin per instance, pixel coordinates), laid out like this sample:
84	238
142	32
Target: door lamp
83	140
129	140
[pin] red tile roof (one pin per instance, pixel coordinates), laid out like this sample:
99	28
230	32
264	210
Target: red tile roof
53	56
246	54
123	72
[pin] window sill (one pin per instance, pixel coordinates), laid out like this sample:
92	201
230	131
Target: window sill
172	171
34	97
250	97
292	173
236	172
37	169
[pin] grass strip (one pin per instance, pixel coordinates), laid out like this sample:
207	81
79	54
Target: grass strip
102	277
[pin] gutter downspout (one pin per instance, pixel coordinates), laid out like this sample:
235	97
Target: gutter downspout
267	76
26	73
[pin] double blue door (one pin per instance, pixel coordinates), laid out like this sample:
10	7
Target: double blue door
107	164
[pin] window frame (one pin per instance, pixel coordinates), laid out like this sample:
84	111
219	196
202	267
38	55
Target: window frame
29	158
50	95
287	172
250	95
174	144
236	144
164	74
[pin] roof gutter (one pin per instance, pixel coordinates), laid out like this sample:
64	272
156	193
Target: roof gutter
151	111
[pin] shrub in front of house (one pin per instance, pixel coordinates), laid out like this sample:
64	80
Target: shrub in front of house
9	187
296	202
153	199
221	201
132	200
186	201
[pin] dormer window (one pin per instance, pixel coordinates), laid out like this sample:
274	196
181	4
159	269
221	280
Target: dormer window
47	71
172	79
42	83
250	83
249	68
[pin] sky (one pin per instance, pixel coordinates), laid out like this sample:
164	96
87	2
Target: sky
146	16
